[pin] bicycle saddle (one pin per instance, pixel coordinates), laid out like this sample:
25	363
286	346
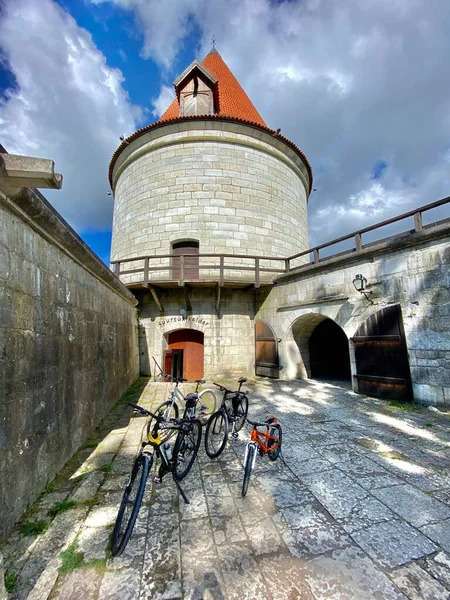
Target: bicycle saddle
191	399
242	379
271	419
200	381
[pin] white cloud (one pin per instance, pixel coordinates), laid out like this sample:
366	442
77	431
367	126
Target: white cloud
164	100
68	105
351	83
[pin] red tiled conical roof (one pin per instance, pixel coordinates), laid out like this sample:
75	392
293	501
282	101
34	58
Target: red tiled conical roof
233	101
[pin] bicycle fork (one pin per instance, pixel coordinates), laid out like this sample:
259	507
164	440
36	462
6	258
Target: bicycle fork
254	454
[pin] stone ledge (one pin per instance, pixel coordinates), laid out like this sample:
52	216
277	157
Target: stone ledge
32	208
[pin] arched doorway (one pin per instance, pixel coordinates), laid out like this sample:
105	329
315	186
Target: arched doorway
184	356
319	348
381	356
328	351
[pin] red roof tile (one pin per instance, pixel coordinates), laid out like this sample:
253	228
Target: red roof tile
233	101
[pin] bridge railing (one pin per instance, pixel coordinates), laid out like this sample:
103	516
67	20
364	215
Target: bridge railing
312	255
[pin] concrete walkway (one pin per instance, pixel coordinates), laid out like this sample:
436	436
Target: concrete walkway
360	509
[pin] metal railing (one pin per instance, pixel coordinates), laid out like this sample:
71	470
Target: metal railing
182	268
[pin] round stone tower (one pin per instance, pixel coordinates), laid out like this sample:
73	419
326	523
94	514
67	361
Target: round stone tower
194	194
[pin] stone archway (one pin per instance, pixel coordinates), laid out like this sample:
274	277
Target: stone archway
322	335
329	351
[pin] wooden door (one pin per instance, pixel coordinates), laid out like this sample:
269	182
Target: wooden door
267	363
191	264
191	342
382	366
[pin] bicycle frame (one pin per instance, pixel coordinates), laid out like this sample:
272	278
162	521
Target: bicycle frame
262	438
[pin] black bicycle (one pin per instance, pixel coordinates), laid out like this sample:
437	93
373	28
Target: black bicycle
178	462
233	411
204	407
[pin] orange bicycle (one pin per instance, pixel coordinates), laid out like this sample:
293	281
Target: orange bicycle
265	442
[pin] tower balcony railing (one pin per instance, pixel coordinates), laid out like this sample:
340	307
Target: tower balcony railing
242	270
225	270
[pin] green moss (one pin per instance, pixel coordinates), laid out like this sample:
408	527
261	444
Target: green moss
71	558
10	580
50	487
107	468
91	444
60	507
33	527
405	406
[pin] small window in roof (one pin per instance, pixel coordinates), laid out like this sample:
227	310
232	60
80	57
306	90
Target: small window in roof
196	98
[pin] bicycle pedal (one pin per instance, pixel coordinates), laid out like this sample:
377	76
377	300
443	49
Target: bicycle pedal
156	479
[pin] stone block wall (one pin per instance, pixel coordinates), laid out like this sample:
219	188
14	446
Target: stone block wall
413	272
229	339
234	188
68	347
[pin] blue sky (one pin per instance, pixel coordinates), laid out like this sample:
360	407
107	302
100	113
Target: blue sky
360	87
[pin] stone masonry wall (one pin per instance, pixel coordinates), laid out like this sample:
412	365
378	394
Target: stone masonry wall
413	272
229	338
68	348
235	189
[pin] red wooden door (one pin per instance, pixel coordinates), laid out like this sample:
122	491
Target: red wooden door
191	342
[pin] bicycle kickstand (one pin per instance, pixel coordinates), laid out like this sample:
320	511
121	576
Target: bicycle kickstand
183	495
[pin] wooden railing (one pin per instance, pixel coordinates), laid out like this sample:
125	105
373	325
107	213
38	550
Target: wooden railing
187	267
357	235
183	268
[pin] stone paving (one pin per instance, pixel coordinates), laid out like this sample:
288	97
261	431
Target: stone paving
358	509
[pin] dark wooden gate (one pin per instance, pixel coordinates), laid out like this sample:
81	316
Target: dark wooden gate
382	366
266	351
191	264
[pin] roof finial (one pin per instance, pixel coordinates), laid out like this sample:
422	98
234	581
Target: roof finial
213	41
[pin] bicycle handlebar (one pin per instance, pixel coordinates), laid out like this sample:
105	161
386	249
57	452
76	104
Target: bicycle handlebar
227	391
159	418
266	423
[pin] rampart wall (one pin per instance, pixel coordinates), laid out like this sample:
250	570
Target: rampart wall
68	347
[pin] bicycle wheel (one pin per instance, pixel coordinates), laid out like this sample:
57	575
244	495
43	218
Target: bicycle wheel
170	411
240	410
248	467
274	431
131	502
216	434
186	448
206	405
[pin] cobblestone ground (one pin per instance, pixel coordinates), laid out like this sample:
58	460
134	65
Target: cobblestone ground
359	509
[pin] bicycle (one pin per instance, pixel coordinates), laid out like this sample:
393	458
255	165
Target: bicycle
170	409
135	487
233	410
265	442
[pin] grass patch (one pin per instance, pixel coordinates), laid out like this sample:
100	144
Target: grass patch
91	444
60	507
29	528
405	406
72	559
107	468
10	580
50	487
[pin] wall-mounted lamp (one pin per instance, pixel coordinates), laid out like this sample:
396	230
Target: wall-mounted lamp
360	286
